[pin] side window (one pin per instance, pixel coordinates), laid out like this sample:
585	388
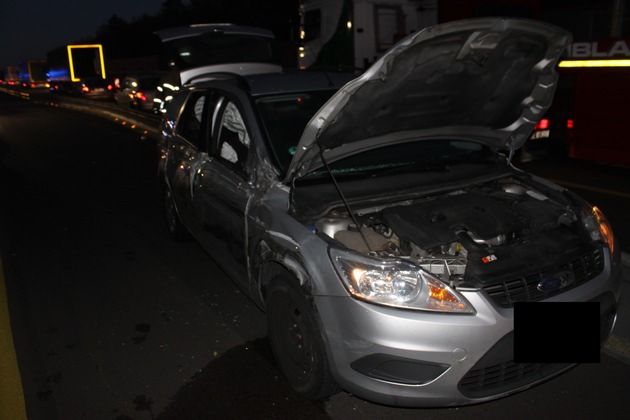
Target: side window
191	125
233	139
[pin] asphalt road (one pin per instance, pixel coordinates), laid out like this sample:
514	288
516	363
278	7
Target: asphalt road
112	320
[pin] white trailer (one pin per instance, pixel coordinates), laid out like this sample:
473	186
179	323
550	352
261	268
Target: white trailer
352	34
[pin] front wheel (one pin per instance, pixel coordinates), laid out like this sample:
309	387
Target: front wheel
297	341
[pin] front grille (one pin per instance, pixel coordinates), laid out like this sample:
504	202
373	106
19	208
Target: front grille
525	289
497	373
507	376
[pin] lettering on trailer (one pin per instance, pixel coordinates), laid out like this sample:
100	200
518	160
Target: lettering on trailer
595	50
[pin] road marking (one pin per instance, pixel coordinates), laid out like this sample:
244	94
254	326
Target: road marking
589	188
17	93
11	395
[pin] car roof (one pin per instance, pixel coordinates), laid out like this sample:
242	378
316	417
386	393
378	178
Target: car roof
277	83
198	29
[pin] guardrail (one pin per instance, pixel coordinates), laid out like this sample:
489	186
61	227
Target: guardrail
143	122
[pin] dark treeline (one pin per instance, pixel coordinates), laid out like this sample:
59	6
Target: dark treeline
123	39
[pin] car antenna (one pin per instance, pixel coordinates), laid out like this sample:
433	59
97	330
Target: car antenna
343	198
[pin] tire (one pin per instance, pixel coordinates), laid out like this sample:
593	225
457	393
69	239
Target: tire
296	340
176	229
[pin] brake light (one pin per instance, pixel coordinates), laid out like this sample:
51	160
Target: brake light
141	96
542	124
569	123
85	89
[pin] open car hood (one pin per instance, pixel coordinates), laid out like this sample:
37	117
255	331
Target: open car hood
489	79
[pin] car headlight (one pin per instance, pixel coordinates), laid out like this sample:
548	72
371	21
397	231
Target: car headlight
598	227
396	283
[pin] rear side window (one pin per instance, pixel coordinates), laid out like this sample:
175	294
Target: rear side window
234	139
191	124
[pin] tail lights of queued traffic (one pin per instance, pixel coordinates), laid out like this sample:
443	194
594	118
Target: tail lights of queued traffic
542	130
86	89
141	96
35	85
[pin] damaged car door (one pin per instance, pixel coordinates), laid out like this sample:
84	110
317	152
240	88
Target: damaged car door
221	186
186	150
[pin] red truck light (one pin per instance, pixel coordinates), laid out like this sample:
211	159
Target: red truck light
542	124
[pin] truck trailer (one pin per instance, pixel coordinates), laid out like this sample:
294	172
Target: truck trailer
352	34
71	64
12	75
33	74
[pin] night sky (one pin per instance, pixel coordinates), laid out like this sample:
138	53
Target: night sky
31	28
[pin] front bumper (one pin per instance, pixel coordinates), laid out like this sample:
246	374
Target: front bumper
419	359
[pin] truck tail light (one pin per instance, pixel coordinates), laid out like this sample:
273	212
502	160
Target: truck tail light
542	124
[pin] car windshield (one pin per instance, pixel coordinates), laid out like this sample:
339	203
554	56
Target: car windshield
220	48
438	155
284	118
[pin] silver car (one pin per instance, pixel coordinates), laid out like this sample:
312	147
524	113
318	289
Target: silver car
380	223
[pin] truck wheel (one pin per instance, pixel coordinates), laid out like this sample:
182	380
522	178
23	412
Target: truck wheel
297	341
176	229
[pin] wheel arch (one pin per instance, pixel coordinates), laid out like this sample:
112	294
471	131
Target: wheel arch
277	276
270	262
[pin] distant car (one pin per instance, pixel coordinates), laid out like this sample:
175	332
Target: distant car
138	92
197	50
381	225
94	88
66	87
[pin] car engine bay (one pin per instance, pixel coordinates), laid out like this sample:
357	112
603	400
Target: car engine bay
471	236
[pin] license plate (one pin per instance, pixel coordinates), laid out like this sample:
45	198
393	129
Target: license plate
541	134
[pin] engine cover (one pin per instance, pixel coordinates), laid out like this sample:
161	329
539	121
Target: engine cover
435	222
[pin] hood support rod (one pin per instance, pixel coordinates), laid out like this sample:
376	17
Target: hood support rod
343	198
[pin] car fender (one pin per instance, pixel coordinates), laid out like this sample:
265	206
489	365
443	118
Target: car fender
269	257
